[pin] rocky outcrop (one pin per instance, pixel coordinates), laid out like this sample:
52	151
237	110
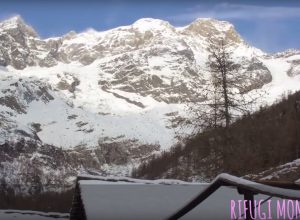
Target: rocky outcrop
294	69
32	167
214	30
138	56
15	43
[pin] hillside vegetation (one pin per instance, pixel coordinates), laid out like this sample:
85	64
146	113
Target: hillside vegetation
254	143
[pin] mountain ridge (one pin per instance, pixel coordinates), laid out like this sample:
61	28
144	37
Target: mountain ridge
112	98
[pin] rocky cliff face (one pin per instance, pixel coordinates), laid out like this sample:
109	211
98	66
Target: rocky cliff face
103	101
142	58
30	167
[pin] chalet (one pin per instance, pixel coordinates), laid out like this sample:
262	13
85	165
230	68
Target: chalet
227	197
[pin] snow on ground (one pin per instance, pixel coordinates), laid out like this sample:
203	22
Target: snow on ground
97	113
281	83
53	116
31	215
285	172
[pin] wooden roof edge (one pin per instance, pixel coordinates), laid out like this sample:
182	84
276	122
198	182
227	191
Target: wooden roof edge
77	210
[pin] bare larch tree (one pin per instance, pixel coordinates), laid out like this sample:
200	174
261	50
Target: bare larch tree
229	96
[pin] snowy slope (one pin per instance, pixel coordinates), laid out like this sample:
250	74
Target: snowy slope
288	172
125	77
90	111
281	81
112	95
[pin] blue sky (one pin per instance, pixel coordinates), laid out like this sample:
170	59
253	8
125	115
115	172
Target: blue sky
270	25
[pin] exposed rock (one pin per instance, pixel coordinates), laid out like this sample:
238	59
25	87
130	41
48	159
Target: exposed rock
256	73
87	59
294	69
214	29
12	102
64	85
48	61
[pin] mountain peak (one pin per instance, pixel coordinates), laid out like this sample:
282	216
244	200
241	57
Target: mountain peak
219	24
17	22
145	24
12	22
208	27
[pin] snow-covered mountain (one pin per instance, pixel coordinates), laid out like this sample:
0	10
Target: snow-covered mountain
105	100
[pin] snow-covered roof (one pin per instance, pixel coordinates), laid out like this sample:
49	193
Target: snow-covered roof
244	187
136	200
127	198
